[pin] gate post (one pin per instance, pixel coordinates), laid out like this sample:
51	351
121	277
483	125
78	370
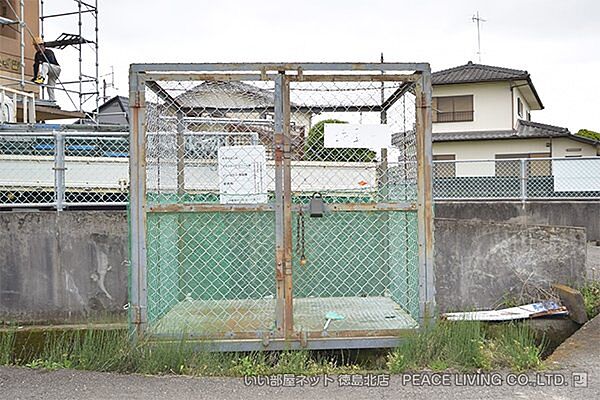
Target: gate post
137	204
283	208
424	198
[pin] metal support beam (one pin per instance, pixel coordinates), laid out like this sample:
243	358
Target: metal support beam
424	199
292	67
287	210
59	170
137	208
279	224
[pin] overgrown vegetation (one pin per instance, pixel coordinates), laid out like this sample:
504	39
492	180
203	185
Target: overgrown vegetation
464	346
111	350
591	298
589	134
7	342
467	346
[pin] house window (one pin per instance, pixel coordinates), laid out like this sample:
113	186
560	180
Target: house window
519	107
528	116
444	169
508	165
453	108
7	12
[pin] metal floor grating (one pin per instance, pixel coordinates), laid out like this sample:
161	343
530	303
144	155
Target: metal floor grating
217	318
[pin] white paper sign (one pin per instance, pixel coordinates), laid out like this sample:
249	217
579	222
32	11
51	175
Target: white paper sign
358	136
242	174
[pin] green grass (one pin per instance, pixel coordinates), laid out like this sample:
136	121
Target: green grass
591	298
464	346
112	350
468	346
7	343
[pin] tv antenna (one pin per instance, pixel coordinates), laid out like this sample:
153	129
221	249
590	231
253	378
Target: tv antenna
478	19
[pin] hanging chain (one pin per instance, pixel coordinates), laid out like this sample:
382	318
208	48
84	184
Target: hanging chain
300	244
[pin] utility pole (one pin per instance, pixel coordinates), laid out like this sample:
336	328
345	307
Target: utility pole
478	19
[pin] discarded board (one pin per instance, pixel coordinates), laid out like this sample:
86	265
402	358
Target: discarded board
533	310
573	300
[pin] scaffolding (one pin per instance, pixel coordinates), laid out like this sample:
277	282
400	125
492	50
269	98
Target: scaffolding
83	92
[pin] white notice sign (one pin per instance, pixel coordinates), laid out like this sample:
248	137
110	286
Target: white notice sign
358	136
242	174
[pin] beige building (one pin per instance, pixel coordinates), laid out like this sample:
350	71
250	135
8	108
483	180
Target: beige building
10	41
484	112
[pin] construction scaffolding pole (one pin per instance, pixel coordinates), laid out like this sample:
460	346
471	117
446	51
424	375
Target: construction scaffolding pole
85	76
22	47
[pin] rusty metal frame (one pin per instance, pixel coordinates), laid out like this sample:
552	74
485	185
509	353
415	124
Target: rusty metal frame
425	199
282	74
335	207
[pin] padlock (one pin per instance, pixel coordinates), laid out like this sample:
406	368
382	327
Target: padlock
316	206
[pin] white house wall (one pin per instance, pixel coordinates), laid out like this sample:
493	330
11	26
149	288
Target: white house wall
563	147
491	105
517	94
488	149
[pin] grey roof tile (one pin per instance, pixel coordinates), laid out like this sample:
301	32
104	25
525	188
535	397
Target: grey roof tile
470	73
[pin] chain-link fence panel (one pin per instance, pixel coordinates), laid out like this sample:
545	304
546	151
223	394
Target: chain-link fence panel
27	163
517	179
210	143
61	169
96	168
361	265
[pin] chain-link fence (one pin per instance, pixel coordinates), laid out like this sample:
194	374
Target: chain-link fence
61	169
281	204
94	167
517	179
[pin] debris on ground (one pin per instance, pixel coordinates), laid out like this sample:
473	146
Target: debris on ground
573	300
533	310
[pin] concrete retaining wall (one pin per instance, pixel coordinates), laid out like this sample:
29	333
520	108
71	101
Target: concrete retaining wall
71	265
478	264
66	266
585	214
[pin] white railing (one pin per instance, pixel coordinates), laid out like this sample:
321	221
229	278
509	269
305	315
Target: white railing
9	103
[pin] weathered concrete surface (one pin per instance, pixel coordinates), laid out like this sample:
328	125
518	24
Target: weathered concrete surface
478	263
559	213
62	266
593	261
581	352
553	331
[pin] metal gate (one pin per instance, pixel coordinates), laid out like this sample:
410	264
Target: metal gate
281	205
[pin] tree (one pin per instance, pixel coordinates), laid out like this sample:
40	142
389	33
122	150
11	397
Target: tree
315	149
588	134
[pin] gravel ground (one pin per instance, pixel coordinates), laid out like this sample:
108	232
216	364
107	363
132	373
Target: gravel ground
579	355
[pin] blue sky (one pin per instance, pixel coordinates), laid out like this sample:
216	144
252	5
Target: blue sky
553	40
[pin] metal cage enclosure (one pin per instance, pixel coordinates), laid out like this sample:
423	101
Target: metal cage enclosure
280	206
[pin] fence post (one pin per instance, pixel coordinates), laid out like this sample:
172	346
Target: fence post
32	118
59	169
523	165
